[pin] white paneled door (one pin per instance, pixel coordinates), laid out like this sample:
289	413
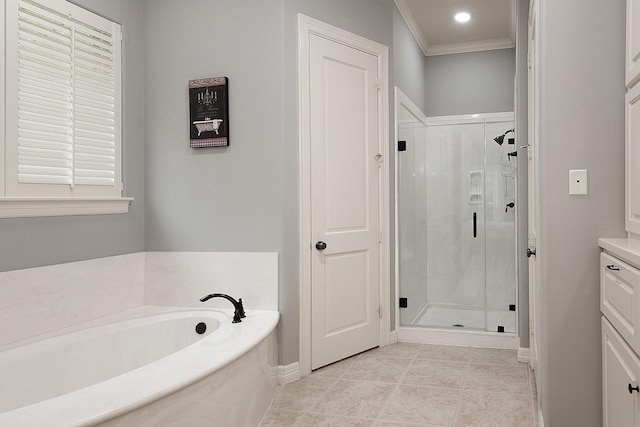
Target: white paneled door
345	184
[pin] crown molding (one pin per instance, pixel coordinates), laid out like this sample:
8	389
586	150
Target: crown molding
482	45
452	48
410	20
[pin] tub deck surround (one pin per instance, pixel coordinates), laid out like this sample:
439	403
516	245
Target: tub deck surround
37	301
241	357
182	278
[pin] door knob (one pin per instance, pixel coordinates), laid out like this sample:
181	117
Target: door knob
321	246
530	252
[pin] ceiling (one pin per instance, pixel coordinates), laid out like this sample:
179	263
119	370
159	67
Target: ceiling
492	24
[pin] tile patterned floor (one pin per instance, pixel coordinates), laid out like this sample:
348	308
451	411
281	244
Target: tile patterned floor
406	385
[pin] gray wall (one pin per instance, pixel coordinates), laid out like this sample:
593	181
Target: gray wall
32	242
218	199
467	83
581	126
244	197
409	63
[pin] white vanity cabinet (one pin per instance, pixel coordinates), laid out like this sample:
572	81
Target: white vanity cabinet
620	373
620	308
620	297
620	263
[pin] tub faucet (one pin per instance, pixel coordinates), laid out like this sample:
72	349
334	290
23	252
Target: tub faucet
237	305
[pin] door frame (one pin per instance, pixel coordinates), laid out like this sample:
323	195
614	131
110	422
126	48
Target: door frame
306	27
536	341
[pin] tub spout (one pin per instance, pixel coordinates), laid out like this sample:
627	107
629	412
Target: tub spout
237	305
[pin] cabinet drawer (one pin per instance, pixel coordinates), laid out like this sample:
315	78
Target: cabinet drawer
620	370
620	297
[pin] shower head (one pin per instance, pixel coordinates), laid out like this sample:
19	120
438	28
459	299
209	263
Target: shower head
500	139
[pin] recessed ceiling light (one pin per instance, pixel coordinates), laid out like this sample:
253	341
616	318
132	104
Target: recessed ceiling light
462	17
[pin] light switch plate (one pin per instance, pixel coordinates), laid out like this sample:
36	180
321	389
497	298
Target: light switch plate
578	182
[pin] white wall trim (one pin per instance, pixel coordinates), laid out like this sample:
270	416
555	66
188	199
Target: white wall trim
23	207
524	355
306	27
470	118
288	373
393	337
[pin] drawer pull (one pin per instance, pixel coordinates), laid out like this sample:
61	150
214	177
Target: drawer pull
613	267
631	389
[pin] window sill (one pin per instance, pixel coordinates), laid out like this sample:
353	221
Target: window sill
35	207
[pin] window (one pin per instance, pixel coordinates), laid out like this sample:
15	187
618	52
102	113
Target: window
62	122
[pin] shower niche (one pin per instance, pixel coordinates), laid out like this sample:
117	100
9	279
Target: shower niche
456	226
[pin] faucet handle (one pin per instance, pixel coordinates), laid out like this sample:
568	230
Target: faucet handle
241	307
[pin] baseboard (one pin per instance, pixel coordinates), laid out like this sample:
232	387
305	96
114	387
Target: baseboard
524	355
393	337
288	373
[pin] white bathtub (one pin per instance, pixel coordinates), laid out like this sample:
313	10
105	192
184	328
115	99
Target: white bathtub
153	370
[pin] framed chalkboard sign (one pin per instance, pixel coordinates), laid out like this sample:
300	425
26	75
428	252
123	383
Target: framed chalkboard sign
209	112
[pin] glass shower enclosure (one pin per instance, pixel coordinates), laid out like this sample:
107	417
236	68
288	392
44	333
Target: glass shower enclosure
456	222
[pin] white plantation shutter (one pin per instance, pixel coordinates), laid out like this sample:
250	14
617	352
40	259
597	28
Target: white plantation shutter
45	99
94	106
63	72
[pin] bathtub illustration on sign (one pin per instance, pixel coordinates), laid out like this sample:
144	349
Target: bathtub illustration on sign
208	125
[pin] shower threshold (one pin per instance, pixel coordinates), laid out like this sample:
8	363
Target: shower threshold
447	316
436	325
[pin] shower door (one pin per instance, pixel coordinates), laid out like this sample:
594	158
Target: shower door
456	230
456	197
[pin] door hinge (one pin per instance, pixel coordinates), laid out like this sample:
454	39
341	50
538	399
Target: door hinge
378	84
378	158
529	61
379	236
380	312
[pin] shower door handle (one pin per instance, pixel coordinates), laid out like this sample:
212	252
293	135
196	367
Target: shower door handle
475	225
